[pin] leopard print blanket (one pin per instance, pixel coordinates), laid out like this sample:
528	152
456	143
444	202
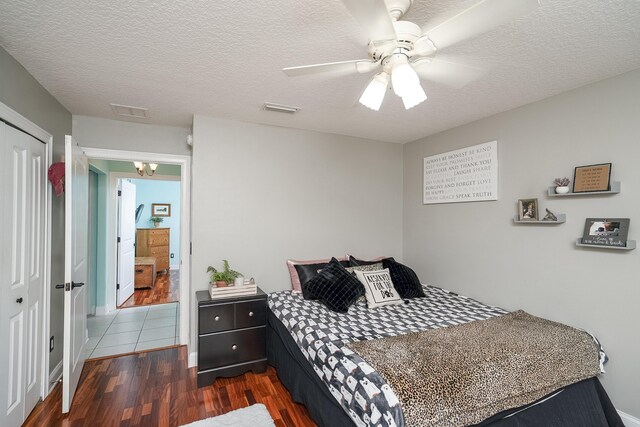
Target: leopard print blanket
461	375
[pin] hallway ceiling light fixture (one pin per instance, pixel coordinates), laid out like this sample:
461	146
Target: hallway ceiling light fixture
141	168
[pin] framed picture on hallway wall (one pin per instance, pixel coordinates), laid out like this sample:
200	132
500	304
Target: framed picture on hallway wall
160	209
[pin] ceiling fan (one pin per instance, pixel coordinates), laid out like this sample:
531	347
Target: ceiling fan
405	52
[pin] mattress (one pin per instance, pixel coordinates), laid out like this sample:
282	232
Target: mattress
322	335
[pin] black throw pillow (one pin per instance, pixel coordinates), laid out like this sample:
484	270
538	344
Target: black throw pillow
355	262
334	286
307	272
405	280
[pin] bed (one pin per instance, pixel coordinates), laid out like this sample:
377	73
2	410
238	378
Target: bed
309	346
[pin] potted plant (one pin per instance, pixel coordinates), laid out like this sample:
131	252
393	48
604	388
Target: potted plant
562	185
223	277
156	220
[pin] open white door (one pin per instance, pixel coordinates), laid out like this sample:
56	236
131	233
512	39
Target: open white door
127	240
76	223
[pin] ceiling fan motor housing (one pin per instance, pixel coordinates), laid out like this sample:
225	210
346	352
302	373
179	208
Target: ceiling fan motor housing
397	8
406	35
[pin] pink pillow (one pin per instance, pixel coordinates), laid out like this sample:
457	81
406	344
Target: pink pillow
296	286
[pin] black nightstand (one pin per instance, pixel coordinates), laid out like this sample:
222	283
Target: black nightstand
231	335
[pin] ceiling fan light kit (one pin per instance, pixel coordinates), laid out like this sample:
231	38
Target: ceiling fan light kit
403	76
373	95
407	52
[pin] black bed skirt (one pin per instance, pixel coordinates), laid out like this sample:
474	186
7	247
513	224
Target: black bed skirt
583	404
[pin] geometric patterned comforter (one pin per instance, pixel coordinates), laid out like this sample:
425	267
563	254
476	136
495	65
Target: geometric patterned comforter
323	335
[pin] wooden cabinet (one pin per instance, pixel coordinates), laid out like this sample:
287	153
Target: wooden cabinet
154	242
231	336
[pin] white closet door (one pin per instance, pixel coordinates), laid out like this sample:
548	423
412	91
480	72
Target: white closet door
35	274
21	273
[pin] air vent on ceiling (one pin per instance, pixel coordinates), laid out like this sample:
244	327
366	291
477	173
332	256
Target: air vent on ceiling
279	108
129	111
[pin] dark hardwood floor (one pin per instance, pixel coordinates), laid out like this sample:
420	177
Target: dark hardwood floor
157	389
166	289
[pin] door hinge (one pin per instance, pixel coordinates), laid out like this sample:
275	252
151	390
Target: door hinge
119	192
190	248
118	239
117	286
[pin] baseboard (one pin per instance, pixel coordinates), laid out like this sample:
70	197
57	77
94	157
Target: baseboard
629	420
55	376
193	359
101	310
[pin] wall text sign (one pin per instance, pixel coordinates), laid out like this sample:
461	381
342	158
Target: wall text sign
466	175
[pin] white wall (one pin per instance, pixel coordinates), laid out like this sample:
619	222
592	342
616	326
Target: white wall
22	93
475	249
263	194
118	135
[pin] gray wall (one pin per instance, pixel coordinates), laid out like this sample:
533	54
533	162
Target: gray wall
263	194
97	132
21	92
475	248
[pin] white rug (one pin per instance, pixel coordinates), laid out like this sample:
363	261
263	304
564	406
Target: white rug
252	416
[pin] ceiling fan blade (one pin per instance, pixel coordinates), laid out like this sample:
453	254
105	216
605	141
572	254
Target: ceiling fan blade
449	73
481	17
342	68
373	17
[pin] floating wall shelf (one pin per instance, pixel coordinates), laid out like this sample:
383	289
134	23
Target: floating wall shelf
615	189
631	244
562	218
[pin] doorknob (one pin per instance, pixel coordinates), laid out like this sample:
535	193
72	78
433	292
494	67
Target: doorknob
66	286
19	300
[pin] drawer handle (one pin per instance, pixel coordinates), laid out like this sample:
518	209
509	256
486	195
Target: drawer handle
234	347
216	318
251	314
139	271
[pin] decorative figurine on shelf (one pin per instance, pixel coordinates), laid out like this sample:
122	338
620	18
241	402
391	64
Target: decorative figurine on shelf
562	185
550	216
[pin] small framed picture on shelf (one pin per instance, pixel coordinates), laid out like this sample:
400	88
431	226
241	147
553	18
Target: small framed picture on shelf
528	209
160	209
606	231
587	179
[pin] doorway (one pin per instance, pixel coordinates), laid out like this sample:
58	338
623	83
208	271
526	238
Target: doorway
157	223
138	290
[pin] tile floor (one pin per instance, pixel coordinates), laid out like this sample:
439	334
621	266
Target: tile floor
132	329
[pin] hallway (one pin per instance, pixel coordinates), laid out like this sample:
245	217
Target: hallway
132	329
166	289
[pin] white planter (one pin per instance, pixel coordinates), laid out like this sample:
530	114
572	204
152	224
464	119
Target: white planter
562	189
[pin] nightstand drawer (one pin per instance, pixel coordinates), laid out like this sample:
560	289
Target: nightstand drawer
215	318
251	313
228	348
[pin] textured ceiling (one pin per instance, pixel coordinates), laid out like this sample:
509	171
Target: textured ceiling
224	59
